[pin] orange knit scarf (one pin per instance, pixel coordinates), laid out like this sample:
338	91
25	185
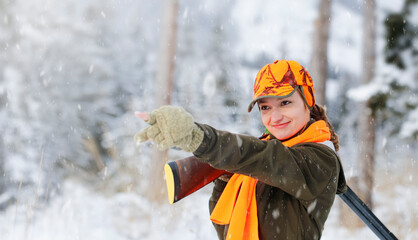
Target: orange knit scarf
237	205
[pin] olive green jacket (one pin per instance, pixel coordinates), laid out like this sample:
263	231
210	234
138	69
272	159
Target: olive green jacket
296	185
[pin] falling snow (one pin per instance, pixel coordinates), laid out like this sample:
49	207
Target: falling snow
73	73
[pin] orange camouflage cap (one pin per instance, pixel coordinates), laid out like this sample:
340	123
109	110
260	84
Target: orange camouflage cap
281	79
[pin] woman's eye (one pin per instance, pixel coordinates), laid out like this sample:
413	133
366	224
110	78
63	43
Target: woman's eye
264	108
284	103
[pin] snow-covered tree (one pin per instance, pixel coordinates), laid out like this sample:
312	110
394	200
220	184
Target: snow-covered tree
70	71
319	60
399	102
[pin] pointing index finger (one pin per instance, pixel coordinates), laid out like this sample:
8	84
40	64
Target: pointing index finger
142	115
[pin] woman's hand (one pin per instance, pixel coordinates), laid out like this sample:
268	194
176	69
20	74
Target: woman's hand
170	126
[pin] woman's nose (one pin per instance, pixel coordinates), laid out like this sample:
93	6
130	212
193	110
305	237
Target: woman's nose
276	115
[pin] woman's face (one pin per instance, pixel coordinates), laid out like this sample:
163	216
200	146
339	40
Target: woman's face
284	117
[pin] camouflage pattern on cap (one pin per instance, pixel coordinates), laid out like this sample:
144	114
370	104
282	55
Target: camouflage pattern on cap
280	79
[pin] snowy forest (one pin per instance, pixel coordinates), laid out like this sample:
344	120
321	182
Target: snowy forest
72	74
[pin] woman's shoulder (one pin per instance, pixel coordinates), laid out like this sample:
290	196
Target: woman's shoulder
319	153
326	146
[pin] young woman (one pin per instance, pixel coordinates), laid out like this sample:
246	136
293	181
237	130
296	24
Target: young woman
284	183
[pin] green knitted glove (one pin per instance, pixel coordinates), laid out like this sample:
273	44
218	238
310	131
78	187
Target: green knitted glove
172	127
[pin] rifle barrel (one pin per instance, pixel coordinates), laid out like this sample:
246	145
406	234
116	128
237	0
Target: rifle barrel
366	215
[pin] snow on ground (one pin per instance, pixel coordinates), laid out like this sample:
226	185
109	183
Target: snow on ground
82	213
395	198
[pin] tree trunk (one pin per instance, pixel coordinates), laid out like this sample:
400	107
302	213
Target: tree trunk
2	173
319	60
367	120
164	88
363	184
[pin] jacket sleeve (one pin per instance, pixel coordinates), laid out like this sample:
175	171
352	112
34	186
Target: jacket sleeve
303	170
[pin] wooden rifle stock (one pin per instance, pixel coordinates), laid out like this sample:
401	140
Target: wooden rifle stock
187	175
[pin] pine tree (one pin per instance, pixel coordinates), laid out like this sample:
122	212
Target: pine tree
398	104
319	60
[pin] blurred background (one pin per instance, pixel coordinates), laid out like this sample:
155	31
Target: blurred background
72	73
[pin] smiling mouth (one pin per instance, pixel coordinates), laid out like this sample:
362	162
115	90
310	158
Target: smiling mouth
282	125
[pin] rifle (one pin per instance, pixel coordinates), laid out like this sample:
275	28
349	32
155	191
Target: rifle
187	175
